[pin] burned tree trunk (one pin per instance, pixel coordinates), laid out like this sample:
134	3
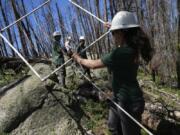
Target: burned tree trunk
22	37
4	16
178	48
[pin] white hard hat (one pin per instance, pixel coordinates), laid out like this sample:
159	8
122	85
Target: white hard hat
124	20
69	38
56	33
81	38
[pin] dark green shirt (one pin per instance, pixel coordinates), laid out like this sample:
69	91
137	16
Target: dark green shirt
124	70
57	54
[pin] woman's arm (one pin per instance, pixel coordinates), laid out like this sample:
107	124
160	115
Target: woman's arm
93	64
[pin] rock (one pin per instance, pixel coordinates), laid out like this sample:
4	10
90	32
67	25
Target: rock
177	115
150	120
101	73
42	69
21	101
33	107
154	117
72	78
90	132
49	120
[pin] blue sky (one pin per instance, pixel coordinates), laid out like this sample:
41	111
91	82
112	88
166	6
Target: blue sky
63	4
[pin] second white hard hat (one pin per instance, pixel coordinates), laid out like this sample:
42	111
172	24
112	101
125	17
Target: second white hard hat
124	20
69	38
81	38
56	33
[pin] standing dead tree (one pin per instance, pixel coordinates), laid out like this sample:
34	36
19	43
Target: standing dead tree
178	47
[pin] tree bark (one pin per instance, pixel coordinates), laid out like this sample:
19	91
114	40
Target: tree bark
8	30
178	47
27	32
22	37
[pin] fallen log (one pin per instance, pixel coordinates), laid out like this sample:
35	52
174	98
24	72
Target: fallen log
17	64
5	60
9	86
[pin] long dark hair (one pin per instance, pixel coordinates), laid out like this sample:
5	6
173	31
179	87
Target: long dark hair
139	41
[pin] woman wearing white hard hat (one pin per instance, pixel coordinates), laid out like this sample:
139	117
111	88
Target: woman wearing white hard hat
83	54
131	43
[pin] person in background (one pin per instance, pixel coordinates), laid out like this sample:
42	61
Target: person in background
68	46
58	58
83	54
130	43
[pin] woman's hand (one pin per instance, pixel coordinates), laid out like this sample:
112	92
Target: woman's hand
88	62
77	58
107	24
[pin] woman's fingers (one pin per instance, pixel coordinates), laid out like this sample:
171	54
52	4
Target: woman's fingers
75	56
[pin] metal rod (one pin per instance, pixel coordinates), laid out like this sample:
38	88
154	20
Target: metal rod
137	122
87	12
46	77
25	15
95	41
117	105
26	62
